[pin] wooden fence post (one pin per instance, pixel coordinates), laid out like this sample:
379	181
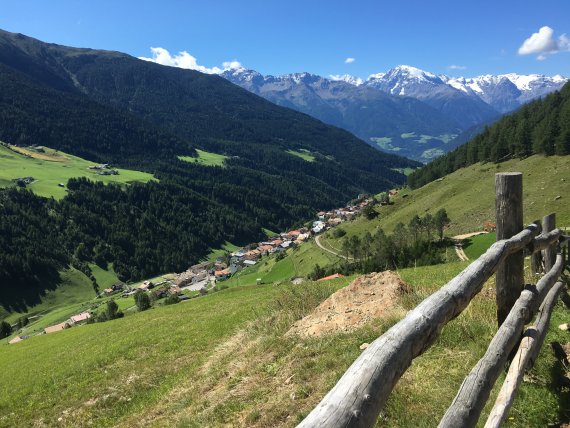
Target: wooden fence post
549	254
509	213
536	257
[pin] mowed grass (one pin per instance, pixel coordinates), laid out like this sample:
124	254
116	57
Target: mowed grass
225	360
99	373
227	247
51	168
205	158
477	245
303	154
468	196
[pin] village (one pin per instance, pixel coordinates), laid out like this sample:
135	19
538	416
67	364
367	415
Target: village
202	277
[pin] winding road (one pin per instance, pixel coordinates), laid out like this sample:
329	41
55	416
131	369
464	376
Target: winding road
322	247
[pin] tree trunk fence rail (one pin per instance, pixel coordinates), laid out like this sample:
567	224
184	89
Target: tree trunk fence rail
361	393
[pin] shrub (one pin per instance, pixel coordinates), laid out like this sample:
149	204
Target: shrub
5	329
142	300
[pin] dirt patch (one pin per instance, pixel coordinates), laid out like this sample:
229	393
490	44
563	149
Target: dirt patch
371	296
469	235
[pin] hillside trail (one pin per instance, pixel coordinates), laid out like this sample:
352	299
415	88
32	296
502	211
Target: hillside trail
322	247
459	246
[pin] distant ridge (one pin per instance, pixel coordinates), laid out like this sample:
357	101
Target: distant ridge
539	127
406	110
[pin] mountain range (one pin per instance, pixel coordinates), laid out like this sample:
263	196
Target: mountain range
280	166
407	110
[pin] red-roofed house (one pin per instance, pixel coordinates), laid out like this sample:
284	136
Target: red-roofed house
221	275
83	316
334	276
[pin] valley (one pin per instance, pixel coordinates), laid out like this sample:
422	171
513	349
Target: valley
211	246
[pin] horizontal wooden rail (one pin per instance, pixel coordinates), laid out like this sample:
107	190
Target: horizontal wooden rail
360	394
525	356
544	241
474	392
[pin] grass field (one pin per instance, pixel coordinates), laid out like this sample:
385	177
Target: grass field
227	247
205	158
477	245
468	196
73	293
303	154
224	359
51	168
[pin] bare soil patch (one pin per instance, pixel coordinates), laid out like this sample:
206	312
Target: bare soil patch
368	297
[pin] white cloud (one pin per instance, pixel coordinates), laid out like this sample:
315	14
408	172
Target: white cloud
543	42
349	60
185	60
457	67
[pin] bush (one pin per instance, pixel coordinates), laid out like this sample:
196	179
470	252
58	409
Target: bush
5	329
172	300
142	301
338	232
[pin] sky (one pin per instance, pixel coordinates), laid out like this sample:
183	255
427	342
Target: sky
330	37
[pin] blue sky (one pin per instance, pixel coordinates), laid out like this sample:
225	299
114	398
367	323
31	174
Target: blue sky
272	37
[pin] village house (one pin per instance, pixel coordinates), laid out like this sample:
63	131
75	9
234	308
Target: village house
222	275
17	339
145	286
293	234
83	316
57	327
220	265
265	249
333	276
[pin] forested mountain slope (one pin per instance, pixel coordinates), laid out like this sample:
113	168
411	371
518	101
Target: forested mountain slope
110	107
540	127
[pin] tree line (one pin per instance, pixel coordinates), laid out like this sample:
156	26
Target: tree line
418	243
540	127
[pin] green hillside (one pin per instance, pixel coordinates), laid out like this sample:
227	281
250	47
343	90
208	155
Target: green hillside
468	196
223	359
49	168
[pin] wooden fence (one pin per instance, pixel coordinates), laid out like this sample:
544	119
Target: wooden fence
361	393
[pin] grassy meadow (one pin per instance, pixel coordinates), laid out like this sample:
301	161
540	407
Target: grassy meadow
51	168
468	196
303	154
205	158
224	360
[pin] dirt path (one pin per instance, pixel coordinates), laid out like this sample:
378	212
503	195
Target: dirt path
322	247
459	246
460	253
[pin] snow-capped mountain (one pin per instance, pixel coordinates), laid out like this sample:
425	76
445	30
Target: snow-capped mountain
506	92
386	108
405	80
377	117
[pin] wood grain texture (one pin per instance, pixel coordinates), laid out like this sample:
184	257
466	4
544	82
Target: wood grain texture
509	218
475	389
531	343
